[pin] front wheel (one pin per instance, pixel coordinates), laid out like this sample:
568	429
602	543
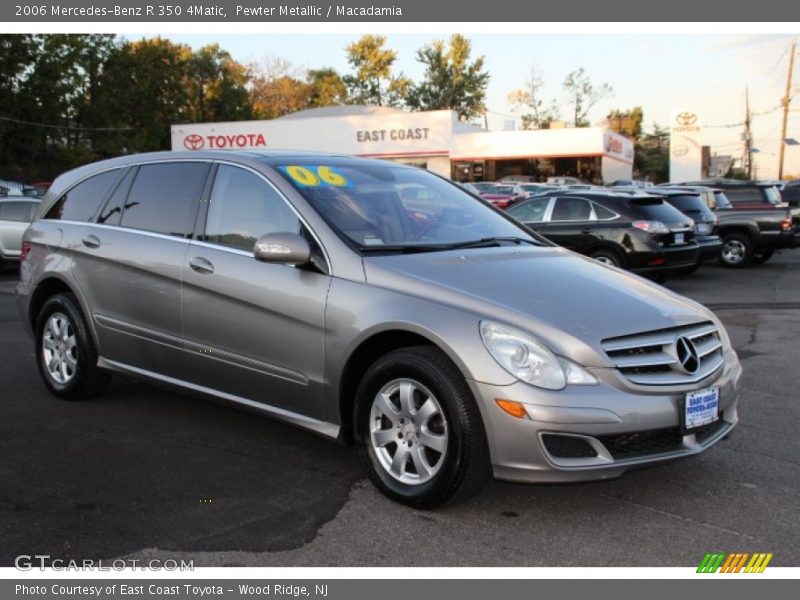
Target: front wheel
737	251
419	431
65	352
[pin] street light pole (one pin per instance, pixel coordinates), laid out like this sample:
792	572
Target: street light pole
786	101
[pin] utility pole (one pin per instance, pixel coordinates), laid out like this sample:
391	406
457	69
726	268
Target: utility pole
786	101
747	136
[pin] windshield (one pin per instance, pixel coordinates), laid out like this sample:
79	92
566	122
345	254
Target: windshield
397	208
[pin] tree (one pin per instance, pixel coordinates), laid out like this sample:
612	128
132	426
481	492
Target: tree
277	88
450	80
626	122
651	155
326	88
373	82
538	115
217	86
583	95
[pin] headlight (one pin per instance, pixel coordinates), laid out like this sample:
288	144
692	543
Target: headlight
527	359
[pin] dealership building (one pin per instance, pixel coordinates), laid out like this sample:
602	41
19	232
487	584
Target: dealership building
436	140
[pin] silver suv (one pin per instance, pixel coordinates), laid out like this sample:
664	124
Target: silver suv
370	303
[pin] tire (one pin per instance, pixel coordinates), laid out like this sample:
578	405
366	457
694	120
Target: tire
65	351
447	439
763	256
606	257
737	251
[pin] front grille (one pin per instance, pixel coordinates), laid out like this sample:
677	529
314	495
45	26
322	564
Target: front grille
567	446
642	443
654	358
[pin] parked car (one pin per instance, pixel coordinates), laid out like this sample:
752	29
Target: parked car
705	222
292	284
641	233
559	180
744	195
634	183
790	193
749	235
502	195
16	213
518	179
535	189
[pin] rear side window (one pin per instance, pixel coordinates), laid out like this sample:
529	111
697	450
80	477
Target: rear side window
572	209
744	195
164	197
112	211
243	208
532	211
83	200
692	205
21	212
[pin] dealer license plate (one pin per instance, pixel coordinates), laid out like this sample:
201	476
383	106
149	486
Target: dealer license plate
700	408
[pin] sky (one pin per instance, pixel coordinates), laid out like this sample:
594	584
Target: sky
706	74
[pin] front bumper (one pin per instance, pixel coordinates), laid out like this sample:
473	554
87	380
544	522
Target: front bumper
607	417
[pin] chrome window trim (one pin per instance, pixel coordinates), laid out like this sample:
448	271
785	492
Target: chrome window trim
189	240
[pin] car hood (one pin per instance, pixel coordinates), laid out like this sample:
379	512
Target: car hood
547	291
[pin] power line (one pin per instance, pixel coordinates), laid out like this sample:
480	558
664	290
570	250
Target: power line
67	127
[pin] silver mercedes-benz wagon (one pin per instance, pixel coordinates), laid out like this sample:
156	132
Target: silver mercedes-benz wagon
371	303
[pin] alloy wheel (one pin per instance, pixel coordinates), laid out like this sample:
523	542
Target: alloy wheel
60	348
408	431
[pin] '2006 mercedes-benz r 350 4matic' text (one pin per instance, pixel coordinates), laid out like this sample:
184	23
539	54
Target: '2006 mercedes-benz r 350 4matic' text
372	303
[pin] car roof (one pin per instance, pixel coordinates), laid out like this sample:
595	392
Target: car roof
602	193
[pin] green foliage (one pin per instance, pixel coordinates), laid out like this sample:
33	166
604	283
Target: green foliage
450	80
651	155
626	122
373	82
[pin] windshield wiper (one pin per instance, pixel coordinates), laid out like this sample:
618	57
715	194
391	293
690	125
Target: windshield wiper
493	241
413	248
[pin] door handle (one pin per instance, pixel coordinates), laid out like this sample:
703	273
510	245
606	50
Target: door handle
91	241
201	265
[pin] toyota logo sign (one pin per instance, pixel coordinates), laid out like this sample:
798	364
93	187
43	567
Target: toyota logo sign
194	142
680	150
686	118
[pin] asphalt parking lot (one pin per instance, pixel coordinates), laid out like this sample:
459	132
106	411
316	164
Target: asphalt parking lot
149	473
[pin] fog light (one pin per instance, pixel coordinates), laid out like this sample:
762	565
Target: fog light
515	409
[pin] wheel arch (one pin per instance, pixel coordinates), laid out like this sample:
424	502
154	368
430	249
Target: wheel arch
366	351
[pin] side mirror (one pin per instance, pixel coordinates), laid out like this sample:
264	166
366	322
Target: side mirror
283	248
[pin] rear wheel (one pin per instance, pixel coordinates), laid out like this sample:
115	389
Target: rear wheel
606	257
65	352
419	432
737	251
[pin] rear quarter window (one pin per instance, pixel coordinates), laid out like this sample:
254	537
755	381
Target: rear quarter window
82	201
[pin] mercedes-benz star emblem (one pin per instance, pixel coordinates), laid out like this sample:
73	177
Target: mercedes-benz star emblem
687	356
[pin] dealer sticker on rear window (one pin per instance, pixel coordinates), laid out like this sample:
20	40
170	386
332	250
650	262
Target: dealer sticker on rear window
315	176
